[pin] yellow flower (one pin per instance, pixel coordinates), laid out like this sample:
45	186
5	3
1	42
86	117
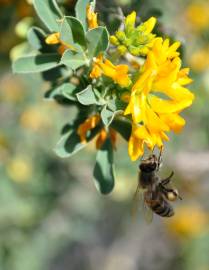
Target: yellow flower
140	135
199	60
137	40
198	15
130	21
96	70
34	119
91	17
118	73
19	169
103	136
162	74
189	221
55	39
89	124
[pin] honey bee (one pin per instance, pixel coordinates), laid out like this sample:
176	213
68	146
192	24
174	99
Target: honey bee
157	194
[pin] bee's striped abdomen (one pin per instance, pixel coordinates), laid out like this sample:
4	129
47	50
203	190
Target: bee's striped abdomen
162	208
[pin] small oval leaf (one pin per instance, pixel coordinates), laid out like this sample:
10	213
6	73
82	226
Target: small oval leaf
49	12
72	31
104	168
36	63
97	41
73	59
87	96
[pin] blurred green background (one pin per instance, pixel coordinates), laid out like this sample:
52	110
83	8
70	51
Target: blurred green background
51	216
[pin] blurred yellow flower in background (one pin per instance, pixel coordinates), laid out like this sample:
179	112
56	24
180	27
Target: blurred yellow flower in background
19	169
188	221
199	60
32	118
122	191
11	90
197	14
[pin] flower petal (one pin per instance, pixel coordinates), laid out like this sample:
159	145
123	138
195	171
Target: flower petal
168	106
174	121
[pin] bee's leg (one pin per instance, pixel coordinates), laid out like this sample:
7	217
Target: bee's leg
167	180
160	158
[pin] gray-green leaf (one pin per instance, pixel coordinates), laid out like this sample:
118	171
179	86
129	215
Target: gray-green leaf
65	89
107	115
72	31
104	168
122	126
70	143
49	13
97	41
87	96
80	11
36	63
73	59
36	38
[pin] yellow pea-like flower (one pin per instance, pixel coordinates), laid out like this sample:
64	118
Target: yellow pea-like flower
91	17
118	73
161	73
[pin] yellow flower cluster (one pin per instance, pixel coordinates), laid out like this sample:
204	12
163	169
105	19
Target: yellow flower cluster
155	94
137	40
153	116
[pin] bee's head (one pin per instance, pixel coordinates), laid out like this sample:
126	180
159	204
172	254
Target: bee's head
149	165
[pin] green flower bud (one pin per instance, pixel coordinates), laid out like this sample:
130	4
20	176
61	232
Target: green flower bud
114	40
120	35
122	49
134	50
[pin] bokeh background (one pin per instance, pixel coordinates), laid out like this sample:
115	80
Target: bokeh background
51	216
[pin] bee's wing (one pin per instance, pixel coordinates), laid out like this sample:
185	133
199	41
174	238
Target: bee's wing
147	212
140	204
137	201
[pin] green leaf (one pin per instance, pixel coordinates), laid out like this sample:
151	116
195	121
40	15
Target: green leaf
55	73
36	38
70	143
73	59
49	13
97	41
107	115
36	63
122	126
87	96
116	105
104	168
66	89
80	11
72	31
19	51
109	111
